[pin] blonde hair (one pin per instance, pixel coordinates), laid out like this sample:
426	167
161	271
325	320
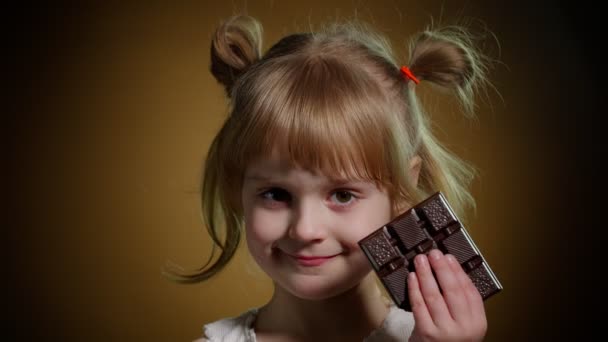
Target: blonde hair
333	101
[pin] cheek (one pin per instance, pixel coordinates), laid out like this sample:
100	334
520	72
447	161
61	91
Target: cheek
264	226
368	220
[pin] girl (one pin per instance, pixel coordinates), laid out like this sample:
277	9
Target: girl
326	142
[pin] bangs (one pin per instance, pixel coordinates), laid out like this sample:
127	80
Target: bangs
322	116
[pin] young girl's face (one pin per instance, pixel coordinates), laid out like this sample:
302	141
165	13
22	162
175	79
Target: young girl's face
303	227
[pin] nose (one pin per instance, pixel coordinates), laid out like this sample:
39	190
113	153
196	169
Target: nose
308	223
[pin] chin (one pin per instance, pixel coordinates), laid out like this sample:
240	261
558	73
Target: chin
315	292
315	288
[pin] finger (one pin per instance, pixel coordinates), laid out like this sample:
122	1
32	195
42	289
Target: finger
470	291
430	290
450	284
422	317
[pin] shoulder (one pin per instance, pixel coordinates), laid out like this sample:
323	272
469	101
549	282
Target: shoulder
237	328
397	326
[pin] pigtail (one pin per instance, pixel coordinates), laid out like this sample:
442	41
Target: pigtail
236	45
449	58
224	227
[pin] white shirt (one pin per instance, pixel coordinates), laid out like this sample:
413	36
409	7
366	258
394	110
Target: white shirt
397	326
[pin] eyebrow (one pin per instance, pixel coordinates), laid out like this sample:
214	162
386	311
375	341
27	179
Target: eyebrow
256	177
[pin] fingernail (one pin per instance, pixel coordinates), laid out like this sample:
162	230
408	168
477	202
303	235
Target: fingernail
435	254
420	260
451	258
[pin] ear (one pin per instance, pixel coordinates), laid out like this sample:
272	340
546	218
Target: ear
414	169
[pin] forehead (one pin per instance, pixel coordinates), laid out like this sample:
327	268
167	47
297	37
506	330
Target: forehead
278	161
276	164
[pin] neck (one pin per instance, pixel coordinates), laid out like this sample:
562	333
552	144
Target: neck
354	313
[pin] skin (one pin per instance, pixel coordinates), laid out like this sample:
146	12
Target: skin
302	229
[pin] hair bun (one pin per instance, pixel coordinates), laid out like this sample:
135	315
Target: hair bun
236	45
449	57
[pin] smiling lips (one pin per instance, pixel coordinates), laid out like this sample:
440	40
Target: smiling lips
311	261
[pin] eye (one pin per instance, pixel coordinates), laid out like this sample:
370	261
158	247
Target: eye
276	195
343	197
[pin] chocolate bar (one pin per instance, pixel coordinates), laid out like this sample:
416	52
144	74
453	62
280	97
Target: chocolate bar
430	224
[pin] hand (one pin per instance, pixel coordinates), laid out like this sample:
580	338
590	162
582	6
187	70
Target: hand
457	314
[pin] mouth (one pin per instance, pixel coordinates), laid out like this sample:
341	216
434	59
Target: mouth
311	260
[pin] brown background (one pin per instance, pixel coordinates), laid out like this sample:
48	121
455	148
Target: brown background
112	109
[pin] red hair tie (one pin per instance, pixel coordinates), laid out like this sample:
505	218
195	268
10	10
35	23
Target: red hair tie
407	73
